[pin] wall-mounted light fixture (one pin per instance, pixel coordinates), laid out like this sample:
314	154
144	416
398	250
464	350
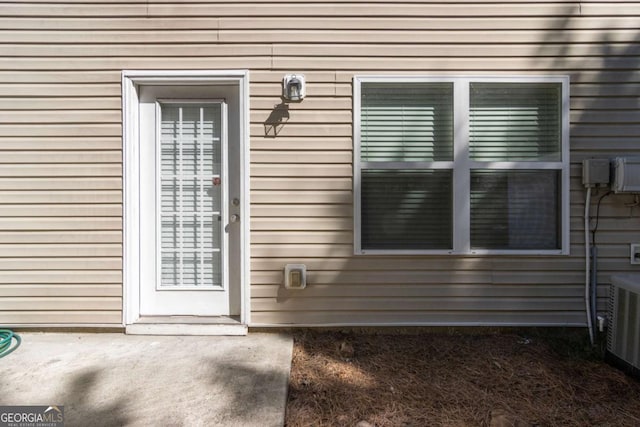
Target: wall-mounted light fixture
293	87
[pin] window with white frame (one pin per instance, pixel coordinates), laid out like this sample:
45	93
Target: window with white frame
461	165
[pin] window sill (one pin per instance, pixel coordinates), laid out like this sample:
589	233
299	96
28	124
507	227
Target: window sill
475	252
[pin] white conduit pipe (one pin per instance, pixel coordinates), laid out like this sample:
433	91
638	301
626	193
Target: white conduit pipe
587	267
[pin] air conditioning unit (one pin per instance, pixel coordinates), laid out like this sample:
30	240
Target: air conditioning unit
623	336
626	175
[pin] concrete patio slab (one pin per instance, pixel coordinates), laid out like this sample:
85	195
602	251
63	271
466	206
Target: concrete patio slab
124	380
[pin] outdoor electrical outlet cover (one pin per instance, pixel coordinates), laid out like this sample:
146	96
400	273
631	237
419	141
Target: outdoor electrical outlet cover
295	276
635	253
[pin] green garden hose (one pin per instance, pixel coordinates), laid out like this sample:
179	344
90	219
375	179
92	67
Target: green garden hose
6	340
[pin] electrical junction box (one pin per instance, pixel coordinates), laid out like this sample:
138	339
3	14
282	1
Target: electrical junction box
595	172
635	253
626	176
295	276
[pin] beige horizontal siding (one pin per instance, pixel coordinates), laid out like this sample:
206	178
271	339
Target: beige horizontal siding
292	2
363	21
308	224
415	317
65	183
312	49
302	197
76	196
70	89
86	237
60	170
75	157
57	290
444	290
55	263
67	276
307	143
61	129
417	266
59	103
432	36
44	223
208	36
63	210
60	196
117	64
61	158
301	183
311	11
74	252
299	170
55	116
157	50
521	64
59	143
59	303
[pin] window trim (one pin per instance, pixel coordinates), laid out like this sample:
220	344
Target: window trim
462	165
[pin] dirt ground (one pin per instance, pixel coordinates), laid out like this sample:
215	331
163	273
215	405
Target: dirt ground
508	379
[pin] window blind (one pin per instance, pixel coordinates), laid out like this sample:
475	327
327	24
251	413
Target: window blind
515	209
404	122
515	121
406	209
190	152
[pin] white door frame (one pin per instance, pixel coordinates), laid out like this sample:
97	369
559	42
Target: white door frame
132	80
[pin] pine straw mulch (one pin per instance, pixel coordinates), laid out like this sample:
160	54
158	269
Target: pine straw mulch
350	378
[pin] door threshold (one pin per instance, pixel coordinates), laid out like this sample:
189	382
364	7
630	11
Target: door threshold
187	325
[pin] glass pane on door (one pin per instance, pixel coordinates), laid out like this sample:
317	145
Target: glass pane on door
190	195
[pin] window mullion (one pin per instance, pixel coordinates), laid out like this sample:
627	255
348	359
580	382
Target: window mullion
461	170
201	209
180	195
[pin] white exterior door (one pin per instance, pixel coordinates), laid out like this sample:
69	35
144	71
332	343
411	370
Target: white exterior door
184	192
186	201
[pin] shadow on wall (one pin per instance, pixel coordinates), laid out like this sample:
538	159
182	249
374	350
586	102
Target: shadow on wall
607	116
276	120
604	66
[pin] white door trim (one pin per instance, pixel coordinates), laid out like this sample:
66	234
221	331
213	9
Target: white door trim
132	80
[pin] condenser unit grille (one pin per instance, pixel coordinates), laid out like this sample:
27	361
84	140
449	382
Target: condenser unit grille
623	338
